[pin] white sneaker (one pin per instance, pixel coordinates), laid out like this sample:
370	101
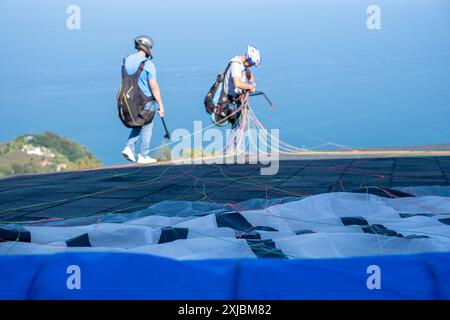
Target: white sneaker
129	154
145	159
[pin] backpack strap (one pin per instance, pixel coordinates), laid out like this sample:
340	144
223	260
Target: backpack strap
136	78
139	70
123	70
136	74
228	67
222	93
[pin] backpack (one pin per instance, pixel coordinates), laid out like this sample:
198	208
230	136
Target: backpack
210	107
131	100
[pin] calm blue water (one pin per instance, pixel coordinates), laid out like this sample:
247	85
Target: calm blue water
331	78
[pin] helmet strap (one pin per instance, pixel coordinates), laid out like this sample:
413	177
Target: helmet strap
149	56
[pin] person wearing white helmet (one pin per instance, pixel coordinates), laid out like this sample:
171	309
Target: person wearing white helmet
238	78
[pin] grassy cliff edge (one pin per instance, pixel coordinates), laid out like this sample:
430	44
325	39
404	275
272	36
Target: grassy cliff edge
46	152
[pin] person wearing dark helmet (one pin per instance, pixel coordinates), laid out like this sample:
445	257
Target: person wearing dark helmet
149	86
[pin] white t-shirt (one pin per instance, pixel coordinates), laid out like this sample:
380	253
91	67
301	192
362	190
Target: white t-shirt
237	69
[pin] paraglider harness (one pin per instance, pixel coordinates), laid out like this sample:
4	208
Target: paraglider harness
131	101
225	109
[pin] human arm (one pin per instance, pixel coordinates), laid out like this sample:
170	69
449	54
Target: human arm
251	78
154	87
236	71
156	92
238	83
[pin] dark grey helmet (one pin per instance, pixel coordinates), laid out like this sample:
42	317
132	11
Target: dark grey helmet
144	43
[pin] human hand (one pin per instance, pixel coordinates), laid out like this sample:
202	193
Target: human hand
161	112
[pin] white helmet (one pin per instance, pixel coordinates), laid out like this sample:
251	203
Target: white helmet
253	55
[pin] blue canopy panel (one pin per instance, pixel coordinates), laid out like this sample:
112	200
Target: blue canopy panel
136	276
